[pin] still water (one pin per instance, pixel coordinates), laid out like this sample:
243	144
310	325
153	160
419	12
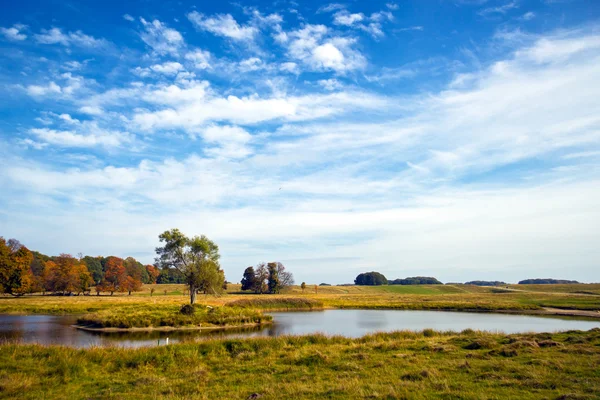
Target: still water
47	329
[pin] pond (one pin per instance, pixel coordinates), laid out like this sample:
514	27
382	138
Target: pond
47	329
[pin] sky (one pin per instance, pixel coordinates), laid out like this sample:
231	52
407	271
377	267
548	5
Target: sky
451	138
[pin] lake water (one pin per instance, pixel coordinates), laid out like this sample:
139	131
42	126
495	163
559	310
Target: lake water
47	329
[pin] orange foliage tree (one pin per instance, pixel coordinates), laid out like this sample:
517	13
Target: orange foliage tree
66	274
115	276
153	272
16	277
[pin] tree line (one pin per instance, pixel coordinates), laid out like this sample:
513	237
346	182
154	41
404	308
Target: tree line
375	279
23	271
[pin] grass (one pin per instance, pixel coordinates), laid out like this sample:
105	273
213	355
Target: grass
399	365
277	303
169	316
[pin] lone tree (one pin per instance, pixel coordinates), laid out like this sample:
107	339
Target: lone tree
303	286
197	258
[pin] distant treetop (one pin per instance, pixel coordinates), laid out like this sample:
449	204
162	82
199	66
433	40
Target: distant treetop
546	281
416	280
485	283
370	279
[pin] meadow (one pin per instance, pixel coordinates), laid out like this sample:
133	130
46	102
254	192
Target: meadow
399	365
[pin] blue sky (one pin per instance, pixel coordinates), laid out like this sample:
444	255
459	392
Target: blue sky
452	138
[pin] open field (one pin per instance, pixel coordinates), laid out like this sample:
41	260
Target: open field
399	365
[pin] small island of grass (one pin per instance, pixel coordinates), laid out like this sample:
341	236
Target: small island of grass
171	318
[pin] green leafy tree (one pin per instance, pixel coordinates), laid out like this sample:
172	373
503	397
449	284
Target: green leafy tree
371	279
273	280
94	265
279	278
197	258
248	281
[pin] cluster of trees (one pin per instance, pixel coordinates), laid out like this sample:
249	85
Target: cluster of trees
23	271
375	278
546	281
267	278
416	280
486	283
370	279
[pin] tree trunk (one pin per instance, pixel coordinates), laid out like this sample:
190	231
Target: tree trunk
192	294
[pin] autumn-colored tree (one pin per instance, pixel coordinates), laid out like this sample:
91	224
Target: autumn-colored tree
153	273
132	285
65	274
115	276
16	277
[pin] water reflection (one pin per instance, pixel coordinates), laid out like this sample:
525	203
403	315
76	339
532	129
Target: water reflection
45	329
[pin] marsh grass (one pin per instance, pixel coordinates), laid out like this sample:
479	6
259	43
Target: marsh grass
398	365
171	316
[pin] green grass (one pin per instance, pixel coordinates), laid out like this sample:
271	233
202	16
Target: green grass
400	365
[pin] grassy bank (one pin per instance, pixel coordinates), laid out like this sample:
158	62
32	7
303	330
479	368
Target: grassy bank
400	365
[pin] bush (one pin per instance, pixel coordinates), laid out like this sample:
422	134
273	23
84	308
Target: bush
187	309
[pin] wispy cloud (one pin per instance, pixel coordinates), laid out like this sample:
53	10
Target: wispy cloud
14	33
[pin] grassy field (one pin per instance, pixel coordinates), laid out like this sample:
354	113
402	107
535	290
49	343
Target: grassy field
518	298
400	365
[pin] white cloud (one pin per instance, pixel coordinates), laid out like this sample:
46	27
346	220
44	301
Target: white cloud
90	136
232	141
128	17
251	64
160	38
347	19
167	68
330	84
503	9
317	50
200	58
14	32
78	38
91	110
38	90
223	25
528	16
33	144
290	67
194	107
